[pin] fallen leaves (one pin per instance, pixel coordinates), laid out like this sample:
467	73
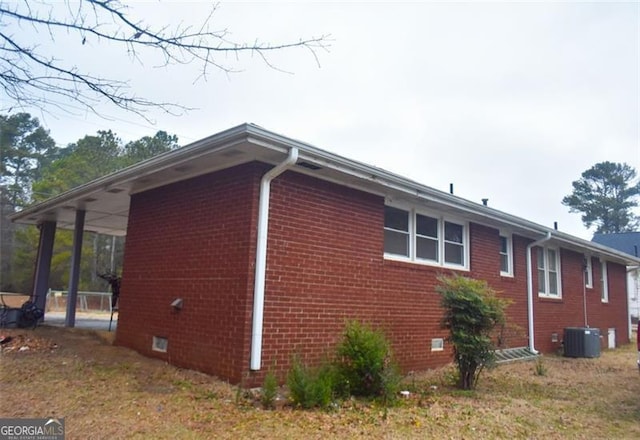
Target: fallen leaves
24	342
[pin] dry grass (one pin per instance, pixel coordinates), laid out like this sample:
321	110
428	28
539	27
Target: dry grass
111	392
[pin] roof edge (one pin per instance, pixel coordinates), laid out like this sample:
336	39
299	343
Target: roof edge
250	131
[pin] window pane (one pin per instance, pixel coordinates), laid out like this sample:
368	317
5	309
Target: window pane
396	219
553	283
396	243
552	259
426	249
503	245
504	263
540	258
426	226
452	232
453	253
542	281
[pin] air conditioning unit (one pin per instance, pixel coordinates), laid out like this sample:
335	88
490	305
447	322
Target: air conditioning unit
581	342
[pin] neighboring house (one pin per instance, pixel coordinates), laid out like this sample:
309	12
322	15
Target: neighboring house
247	247
628	242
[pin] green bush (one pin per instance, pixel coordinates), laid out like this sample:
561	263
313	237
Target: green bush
364	364
310	387
471	311
269	391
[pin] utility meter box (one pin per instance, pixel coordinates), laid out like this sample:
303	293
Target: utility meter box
581	342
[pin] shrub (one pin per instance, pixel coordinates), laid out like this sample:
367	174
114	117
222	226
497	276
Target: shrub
471	311
310	387
364	364
269	391
540	369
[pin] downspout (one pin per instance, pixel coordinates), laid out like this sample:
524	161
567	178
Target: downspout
261	256
530	290
630	269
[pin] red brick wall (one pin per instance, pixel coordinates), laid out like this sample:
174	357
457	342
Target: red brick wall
553	315
196	240
193	240
326	265
485	264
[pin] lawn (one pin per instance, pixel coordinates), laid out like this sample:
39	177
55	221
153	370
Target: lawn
104	391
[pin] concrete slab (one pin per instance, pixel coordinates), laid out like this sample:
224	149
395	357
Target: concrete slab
93	321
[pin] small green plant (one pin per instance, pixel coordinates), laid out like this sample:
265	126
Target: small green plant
540	369
310	387
451	376
269	391
471	312
183	384
206	395
243	395
364	364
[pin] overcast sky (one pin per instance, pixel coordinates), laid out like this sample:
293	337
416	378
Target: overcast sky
508	101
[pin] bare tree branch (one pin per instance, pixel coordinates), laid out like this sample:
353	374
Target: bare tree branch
30	76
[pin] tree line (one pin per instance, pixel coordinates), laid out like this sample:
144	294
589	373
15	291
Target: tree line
34	168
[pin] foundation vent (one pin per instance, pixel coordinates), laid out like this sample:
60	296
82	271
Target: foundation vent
160	344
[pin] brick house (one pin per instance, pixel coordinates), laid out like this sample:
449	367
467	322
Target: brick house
247	247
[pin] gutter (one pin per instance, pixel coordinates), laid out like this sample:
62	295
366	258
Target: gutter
261	256
530	290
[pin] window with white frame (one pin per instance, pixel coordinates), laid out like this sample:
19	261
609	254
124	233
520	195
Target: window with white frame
396	231
453	243
506	255
424	238
437	344
588	272
604	283
549	272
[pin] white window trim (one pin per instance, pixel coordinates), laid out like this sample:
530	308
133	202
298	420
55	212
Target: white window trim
589	271
509	238
545	253
441	242
604	282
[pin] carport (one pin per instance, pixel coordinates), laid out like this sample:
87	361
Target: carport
102	205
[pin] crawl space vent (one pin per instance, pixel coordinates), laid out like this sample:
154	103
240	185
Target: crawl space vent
160	344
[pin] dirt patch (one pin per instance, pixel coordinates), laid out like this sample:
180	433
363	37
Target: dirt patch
105	391
24	342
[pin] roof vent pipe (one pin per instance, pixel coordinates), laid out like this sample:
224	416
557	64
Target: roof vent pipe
451	188
555	225
261	256
485	202
530	291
